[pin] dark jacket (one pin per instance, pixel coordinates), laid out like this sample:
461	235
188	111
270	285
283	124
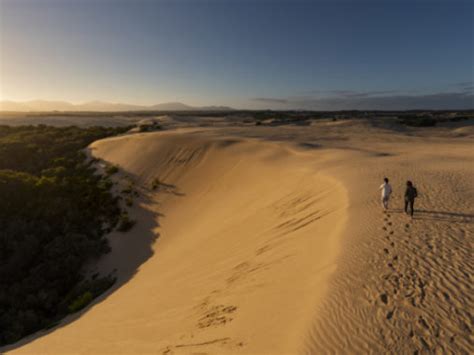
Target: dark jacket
410	193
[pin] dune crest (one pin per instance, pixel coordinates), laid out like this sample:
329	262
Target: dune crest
248	235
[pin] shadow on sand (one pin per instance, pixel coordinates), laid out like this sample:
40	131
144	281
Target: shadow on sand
442	216
130	253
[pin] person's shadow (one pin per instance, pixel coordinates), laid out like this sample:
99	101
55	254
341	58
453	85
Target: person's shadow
442	216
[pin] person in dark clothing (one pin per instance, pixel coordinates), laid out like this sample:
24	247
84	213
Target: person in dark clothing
410	195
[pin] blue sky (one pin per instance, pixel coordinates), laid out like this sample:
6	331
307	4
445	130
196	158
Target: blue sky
246	54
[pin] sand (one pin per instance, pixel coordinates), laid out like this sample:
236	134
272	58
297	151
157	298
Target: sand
273	240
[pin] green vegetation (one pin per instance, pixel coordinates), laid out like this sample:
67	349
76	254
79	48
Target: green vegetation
418	121
80	302
125	223
149	127
111	170
54	213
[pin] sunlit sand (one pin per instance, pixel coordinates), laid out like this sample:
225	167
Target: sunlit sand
273	240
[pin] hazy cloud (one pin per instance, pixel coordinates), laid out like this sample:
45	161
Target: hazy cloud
464	83
351	93
271	100
378	100
465	86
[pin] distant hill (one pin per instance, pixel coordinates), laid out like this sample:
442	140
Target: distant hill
172	106
44	105
106	106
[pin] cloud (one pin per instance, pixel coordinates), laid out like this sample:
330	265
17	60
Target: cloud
464	83
270	100
351	93
379	100
464	86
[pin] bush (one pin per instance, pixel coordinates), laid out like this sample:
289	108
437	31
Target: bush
80	302
129	201
125	223
419	121
111	170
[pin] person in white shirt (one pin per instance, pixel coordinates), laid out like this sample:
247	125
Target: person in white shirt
386	192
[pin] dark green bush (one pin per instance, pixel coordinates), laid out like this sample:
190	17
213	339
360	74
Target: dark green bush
80	302
125	223
111	169
129	201
419	121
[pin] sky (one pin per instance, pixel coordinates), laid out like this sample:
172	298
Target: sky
327	54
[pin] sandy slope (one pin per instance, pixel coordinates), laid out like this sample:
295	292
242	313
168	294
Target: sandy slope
405	286
279	245
248	236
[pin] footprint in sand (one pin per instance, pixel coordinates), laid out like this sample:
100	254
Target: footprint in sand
216	315
390	314
384	298
423	323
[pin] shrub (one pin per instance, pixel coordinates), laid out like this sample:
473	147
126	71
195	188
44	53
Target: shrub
419	121
129	201
125	223
111	170
80	302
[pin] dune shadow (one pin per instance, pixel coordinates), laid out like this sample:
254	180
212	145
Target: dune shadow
125	258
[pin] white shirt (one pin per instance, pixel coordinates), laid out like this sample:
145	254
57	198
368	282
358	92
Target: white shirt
386	189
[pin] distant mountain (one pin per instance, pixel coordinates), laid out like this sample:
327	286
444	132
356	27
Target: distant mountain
36	105
12	106
178	106
100	106
41	105
106	106
215	108
172	106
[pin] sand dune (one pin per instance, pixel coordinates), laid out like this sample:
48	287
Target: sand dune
272	240
248	237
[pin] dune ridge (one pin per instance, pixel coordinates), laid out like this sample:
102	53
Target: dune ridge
248	236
